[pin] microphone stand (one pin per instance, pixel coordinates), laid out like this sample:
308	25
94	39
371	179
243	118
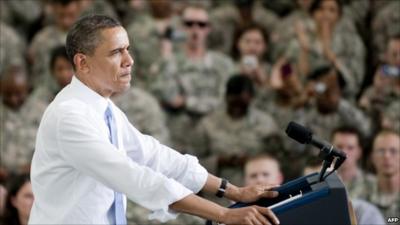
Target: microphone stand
328	155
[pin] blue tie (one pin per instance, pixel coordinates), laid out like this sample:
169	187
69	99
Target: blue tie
118	205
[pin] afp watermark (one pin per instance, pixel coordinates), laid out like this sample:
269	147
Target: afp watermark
393	219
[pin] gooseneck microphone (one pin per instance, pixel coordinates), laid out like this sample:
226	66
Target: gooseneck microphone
328	152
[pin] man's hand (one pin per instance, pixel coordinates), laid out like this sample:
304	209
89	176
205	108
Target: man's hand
252	215
255	192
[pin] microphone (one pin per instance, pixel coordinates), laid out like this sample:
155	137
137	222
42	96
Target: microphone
304	135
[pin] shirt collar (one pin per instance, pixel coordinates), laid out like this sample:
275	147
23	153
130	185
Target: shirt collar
92	98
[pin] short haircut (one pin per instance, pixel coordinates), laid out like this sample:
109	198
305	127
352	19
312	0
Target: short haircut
57	52
322	71
197	5
385	132
263	156
347	129
238	84
316	4
62	2
85	35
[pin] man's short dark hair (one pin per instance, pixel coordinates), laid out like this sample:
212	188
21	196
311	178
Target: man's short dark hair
238	84
347	129
85	36
57	52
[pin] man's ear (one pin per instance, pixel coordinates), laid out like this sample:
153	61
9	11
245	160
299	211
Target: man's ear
81	63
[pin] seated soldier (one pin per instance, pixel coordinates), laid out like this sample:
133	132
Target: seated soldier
262	169
385	156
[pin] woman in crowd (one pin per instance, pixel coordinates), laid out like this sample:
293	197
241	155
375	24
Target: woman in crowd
19	201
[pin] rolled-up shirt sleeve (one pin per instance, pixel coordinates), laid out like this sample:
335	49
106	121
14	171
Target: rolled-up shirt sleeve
154	184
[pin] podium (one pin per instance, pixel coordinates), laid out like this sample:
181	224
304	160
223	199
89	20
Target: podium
306	200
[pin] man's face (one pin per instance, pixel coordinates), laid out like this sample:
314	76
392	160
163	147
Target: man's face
66	15
196	26
111	64
349	144
263	171
237	105
62	71
15	91
386	155
252	43
393	52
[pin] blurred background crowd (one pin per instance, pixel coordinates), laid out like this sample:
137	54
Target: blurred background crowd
221	79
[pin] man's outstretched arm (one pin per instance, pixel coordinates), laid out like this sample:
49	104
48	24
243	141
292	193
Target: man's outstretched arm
195	205
252	215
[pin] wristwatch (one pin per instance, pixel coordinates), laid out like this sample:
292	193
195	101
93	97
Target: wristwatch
222	188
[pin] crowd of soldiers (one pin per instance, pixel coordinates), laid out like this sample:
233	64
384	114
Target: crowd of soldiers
221	79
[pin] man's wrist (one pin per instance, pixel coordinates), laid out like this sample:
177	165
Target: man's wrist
232	192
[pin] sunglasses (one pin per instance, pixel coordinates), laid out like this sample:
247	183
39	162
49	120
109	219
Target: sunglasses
192	23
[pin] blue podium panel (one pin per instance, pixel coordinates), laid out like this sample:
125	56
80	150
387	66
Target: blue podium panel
308	201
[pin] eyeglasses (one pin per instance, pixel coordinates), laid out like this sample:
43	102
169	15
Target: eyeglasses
382	151
192	23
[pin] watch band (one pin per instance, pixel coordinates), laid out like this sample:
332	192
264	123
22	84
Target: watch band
222	188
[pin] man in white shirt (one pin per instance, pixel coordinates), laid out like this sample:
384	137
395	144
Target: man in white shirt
88	156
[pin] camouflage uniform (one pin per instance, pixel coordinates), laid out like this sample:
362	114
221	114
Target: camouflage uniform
346	114
385	25
391	113
20	14
100	7
360	186
379	99
219	134
138	215
146	43
12	48
285	31
348	48
388	204
144	112
286	149
225	20
202	83
18	133
40	49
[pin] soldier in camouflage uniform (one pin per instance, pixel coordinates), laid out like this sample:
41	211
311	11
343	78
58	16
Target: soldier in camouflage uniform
61	73
330	109
102	7
385	24
250	54
144	112
321	43
65	13
357	181
286	29
385	193
155	36
390	117
20	14
192	82
228	17
386	83
234	131
19	120
12	48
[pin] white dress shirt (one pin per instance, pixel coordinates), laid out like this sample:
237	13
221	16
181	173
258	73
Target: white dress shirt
75	168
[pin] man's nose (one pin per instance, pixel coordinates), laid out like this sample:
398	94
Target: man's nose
128	60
